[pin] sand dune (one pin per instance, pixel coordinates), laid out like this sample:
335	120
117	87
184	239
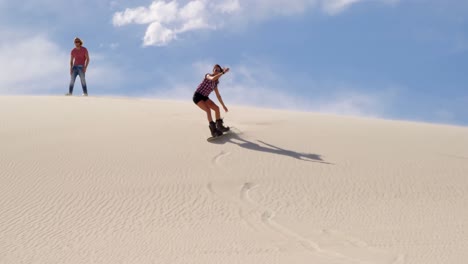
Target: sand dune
118	180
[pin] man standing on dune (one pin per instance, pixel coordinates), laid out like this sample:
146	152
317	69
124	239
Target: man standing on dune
79	61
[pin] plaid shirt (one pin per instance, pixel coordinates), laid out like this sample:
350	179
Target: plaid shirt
207	86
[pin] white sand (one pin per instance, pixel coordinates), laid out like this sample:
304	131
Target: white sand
116	180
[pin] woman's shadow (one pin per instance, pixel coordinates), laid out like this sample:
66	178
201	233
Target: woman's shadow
269	148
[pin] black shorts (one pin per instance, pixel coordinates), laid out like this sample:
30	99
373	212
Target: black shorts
197	97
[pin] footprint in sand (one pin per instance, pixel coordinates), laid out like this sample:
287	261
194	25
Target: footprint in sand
330	244
216	160
327	243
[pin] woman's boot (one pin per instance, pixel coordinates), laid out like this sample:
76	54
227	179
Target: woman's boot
220	126
214	131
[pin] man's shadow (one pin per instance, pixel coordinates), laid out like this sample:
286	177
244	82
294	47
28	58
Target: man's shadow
268	148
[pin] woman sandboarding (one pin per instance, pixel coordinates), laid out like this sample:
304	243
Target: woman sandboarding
200	98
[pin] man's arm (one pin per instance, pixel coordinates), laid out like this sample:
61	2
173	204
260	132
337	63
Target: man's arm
71	64
87	61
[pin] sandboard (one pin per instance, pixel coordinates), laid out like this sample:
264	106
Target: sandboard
218	137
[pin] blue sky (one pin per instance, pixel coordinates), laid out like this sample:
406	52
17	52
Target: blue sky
405	59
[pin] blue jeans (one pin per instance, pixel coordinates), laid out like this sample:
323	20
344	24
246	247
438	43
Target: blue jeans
77	70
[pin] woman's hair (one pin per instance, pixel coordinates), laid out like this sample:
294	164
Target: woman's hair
217	66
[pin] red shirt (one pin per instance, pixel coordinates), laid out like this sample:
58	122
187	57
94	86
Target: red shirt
79	55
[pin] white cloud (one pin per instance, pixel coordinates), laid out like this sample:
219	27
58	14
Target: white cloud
333	7
159	11
158	35
30	64
166	20
336	6
226	7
